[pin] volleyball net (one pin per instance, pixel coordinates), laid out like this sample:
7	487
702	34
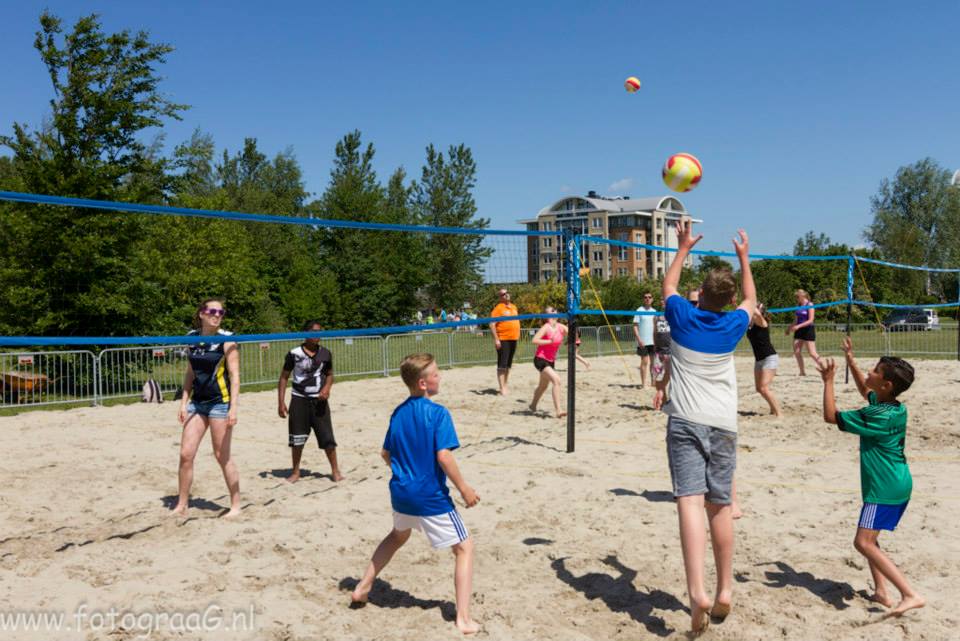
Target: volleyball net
381	290
397	278
845	281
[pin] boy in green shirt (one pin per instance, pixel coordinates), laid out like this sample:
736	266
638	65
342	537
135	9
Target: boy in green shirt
885	479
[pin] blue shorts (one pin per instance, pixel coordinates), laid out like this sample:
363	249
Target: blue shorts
211	409
875	516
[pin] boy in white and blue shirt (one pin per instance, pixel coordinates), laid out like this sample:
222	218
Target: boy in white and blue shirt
702	428
418	448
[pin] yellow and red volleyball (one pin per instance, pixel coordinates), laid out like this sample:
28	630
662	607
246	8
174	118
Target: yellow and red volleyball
631	84
682	172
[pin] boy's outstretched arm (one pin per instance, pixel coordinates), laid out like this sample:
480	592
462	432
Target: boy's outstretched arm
858	376
827	371
685	242
452	470
742	248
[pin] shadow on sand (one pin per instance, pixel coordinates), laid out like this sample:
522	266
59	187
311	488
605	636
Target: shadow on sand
832	592
383	595
619	594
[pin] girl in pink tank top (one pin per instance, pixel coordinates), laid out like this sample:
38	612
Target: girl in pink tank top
548	340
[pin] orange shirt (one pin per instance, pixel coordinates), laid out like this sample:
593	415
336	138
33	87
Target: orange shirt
507	330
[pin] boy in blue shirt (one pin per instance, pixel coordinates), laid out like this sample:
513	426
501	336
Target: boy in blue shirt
885	480
702	428
418	449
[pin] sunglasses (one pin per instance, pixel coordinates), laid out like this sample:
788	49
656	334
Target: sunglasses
504	293
211	311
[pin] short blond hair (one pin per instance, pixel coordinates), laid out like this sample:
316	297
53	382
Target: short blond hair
719	288
412	367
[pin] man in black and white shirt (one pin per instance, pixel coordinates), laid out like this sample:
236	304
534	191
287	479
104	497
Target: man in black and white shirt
312	369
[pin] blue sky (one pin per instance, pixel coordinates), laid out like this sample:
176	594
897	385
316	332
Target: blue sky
796	110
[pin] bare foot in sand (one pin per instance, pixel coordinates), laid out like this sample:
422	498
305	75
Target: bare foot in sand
533	408
561	414
881	598
720	611
735	511
293	478
699	617
467	626
233	513
180	511
337	477
908	603
358	598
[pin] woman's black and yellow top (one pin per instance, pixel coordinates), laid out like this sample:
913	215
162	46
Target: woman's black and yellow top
211	382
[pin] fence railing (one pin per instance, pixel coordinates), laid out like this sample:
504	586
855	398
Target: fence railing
48	378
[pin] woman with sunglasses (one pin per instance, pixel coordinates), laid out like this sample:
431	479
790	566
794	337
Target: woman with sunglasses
211	388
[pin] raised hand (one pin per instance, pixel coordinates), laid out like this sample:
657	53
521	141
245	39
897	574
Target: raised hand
848	347
742	248
827	368
685	239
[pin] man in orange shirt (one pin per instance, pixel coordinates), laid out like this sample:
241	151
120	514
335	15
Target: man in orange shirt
505	336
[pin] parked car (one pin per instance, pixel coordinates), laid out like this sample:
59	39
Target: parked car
911	319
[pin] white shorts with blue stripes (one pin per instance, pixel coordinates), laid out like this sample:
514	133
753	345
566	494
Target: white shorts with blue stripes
442	530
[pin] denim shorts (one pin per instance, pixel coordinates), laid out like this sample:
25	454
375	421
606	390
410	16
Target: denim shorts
210	409
702	460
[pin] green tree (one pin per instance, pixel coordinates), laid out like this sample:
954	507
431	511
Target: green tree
354	255
915	218
443	198
69	270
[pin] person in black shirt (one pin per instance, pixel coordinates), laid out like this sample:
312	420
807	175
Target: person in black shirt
312	369
765	355
211	389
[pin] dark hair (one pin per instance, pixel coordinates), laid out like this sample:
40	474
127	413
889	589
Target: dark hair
719	288
196	315
310	323
897	371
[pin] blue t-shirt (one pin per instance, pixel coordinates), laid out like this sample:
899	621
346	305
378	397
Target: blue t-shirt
703	381
419	428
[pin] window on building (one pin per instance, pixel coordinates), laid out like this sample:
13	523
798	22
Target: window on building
546	225
548	242
548	258
597	223
622	254
598	271
638	253
659	240
598	256
639	274
622	271
547	275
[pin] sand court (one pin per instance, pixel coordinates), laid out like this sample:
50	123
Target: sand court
580	546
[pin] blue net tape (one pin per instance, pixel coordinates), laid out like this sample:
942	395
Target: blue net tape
250	338
61	201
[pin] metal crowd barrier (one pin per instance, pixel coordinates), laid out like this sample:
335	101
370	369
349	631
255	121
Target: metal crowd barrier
47	378
63	377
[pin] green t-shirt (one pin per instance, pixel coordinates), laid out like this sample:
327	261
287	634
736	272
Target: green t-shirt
884	473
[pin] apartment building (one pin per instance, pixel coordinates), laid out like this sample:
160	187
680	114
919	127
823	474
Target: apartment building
647	221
